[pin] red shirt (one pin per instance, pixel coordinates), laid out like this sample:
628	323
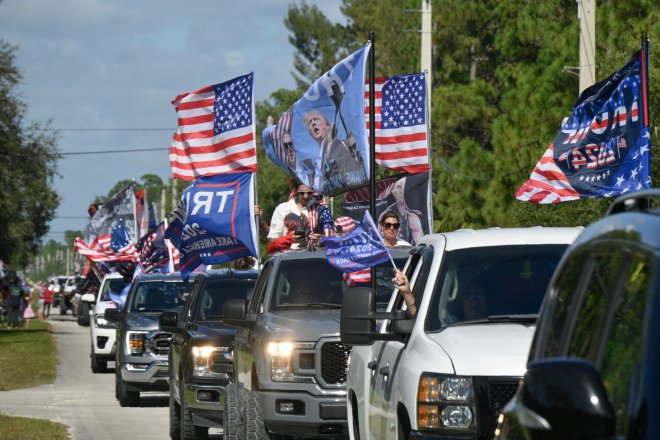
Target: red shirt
48	296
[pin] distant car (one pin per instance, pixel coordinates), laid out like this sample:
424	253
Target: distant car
142	348
200	358
101	329
592	371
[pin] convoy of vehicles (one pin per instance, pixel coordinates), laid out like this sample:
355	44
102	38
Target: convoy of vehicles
449	370
200	357
291	351
142	348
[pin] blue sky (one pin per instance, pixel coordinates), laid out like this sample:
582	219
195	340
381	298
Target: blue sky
105	72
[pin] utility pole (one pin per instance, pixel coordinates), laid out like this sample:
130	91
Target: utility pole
427	51
587	17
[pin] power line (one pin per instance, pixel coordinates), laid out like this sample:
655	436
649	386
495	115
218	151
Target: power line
105	129
114	151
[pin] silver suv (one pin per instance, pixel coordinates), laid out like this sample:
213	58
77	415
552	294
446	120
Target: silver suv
142	349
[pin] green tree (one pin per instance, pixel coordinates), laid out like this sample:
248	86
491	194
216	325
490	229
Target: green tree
27	169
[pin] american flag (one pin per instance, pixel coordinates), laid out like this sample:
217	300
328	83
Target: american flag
215	132
603	148
100	250
152	250
357	277
401	122
276	135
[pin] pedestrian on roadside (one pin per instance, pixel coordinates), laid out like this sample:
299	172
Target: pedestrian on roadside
39	288
28	311
14	301
48	299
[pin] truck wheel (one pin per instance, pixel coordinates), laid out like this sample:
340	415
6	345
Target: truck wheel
231	419
254	418
125	397
175	420
98	365
189	431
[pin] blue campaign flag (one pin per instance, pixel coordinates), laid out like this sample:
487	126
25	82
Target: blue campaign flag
360	249
213	222
322	139
603	148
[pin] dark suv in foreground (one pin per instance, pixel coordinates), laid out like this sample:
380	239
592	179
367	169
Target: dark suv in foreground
200	359
593	366
142	348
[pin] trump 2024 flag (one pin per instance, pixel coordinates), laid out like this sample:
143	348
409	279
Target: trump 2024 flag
213	222
604	147
358	250
215	132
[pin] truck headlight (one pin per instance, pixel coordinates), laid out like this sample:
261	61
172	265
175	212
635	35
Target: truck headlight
211	361
280	360
136	343
446	402
100	321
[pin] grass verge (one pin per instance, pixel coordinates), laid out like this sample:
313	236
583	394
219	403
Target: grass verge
23	428
28	357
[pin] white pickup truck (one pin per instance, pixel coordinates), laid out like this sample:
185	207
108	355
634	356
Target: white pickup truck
447	372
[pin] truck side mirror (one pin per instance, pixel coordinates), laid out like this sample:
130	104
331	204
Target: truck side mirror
234	313
112	314
357	324
168	321
563	398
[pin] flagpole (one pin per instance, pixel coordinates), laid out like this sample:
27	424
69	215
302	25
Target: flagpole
645	79
429	198
372	137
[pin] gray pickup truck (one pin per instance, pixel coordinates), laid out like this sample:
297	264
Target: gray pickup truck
289	364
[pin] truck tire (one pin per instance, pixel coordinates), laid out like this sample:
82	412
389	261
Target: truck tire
254	418
189	431
125	397
231	419
175	419
98	365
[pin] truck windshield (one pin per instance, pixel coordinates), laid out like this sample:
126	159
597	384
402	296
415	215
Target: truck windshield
157	296
114	285
216	293
315	283
498	282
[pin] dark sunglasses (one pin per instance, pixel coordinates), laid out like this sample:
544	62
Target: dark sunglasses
391	225
308	193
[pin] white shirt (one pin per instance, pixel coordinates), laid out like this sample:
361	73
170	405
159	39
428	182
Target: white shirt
278	228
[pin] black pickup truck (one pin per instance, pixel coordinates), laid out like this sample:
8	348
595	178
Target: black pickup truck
200	357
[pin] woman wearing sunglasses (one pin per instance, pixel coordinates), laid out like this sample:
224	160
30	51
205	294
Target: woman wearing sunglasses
389	230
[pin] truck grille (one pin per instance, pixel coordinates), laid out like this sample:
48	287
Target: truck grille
159	342
334	362
500	394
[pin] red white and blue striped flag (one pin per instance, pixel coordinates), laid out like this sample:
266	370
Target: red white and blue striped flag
216	130
401	122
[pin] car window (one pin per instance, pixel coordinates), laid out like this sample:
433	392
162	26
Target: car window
260	288
621	351
600	288
157	296
114	285
216	293
566	292
494	281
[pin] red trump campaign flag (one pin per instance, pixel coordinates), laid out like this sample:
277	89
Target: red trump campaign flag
604	146
216	127
401	123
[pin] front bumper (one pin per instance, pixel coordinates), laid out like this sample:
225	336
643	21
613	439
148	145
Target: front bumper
140	375
104	341
206	403
313	416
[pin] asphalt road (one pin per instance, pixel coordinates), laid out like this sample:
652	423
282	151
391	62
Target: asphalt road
85	401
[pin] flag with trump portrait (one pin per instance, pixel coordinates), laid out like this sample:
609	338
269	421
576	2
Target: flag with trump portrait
213	221
321	139
604	147
215	131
